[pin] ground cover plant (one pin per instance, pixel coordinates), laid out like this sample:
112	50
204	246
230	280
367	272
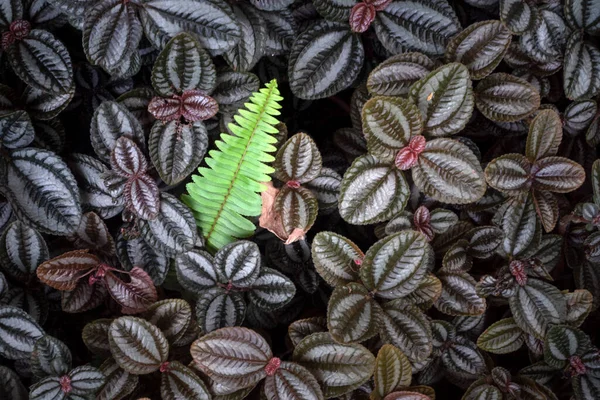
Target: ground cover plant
299	199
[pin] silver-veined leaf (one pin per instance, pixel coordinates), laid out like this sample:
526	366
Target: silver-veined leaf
302	328
176	149
393	371
246	53
558	175
459	295
111	33
339	368
416	25
502	337
579	305
233	89
546	206
484	240
427	292
394	76
173	231
85	380
238	263
183	65
45	106
298	160
22	250
536	306
135	252
196	270
405	326
352	314
172	316
10	11
18	333
211	20
48	388
334	10
546	39
545	135
581	67
463	361
449	172
271	290
583	14
394	266
16	130
579	115
509	173
326	188
137	346
292	382
218	308
42	191
118	383
112	120
480	47
336	258
520	225
297	207
372	191
50	357
179	381
95	336
11	386
42	62
388	124
505	98
234	357
281	31
445	99
325	59
516	15
563	342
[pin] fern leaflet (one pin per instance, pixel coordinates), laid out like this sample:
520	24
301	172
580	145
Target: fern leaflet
228	191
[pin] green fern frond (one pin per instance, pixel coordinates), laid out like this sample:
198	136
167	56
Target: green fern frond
229	190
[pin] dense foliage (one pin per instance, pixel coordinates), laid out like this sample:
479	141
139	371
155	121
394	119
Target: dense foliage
299	199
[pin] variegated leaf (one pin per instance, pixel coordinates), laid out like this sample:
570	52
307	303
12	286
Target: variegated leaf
336	258
111	33
352	314
136	252
95	336
445	99
449	172
502	97
459	295
520	225
546	206
11	386
583	14
536	306
235	357
502	337
112	120
246	53
196	270
394	266
417	25
118	384
509	173
211	20
233	89
48	388
18	333
183	65
16	130
42	62
579	115
388	124
84	297
557	174
238	263
95	194
326	188
394	76
426	292
481	390
292	382
85	380
137	346
42	191
372	191
93	234
302	328
298	160
324	60
480	47
297	207
281	30
22	250
406	395
179	381
271	290
50	357
463	361
176	149
134	296
339	368
564	342
334	10
172	316
545	135
10	11
173	231
581	68
517	15
127	159
579	305
393	371
484	240
219	308
63	272
406	327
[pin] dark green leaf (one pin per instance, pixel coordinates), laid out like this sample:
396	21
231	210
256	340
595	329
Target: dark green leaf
545	135
50	357
502	337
